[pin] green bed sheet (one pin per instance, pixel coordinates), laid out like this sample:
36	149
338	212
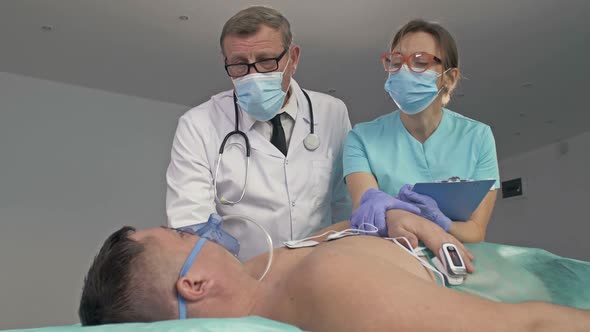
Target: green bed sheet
517	274
246	324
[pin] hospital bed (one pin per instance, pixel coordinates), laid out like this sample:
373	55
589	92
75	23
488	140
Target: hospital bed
503	273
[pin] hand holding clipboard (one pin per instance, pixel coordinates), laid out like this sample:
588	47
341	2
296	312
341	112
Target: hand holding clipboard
456	198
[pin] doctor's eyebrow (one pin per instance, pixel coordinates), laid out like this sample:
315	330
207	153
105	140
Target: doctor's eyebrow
243	58
266	55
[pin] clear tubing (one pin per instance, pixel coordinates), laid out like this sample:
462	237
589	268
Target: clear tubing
268	240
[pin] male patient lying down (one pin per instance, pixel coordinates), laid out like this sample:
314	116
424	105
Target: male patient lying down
357	283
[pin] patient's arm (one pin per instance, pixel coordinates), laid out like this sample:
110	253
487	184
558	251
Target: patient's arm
415	228
345	292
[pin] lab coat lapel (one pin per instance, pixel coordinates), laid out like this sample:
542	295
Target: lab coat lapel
301	127
257	141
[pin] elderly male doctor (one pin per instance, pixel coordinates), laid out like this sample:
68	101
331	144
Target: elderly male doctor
294	181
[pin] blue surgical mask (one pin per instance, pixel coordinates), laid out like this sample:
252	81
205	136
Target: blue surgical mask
260	95
211	230
412	92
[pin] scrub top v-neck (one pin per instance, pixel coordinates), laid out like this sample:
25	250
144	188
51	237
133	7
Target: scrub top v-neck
458	147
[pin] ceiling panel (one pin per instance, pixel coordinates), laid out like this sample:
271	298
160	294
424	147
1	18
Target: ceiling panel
520	59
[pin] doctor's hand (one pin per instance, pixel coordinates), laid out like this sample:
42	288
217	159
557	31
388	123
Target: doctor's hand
428	207
373	207
415	228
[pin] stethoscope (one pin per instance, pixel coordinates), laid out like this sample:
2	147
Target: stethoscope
311	143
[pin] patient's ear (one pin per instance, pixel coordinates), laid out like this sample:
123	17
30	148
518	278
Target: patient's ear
193	287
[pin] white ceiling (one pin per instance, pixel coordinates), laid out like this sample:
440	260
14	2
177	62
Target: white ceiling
142	48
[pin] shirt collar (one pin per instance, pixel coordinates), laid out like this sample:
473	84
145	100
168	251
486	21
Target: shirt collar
291	106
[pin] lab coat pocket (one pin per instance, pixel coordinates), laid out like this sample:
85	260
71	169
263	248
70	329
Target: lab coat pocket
321	175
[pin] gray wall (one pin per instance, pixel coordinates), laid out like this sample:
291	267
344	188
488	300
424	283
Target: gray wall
75	164
553	213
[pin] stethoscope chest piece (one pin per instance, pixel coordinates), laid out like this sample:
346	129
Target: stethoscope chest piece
311	142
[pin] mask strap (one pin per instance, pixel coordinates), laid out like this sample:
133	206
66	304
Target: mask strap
441	75
283	72
288	60
187	265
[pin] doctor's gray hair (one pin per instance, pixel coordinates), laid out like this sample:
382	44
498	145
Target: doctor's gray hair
248	21
121	285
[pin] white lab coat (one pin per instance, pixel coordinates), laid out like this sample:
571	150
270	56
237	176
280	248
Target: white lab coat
290	196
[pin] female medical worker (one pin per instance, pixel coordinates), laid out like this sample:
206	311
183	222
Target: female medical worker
420	142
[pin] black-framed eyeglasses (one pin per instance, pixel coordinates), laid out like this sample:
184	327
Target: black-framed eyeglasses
261	66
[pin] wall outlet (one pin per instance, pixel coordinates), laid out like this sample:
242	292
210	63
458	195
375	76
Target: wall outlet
512	188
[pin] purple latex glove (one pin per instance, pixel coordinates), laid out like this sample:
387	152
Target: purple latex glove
373	208
427	205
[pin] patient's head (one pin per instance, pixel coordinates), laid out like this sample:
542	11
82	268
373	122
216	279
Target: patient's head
135	278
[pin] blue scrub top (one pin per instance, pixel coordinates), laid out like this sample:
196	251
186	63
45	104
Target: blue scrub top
458	147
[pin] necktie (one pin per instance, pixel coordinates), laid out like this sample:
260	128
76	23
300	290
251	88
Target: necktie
278	134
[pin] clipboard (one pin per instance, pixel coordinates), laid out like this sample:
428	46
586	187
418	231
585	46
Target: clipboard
457	200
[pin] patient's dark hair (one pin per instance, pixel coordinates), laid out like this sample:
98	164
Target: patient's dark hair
119	287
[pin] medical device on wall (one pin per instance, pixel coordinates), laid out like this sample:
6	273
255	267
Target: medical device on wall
212	230
311	143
